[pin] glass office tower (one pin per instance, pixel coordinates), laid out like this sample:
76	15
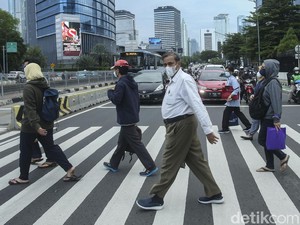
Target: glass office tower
64	29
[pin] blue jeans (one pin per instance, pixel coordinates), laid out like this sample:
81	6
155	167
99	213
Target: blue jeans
26	150
254	127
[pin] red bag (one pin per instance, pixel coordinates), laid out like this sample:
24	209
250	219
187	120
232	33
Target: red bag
227	90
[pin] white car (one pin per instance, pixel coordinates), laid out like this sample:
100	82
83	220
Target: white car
15	75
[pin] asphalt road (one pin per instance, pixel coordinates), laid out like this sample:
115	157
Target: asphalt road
88	139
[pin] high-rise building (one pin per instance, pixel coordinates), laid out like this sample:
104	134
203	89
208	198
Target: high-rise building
193	46
64	29
207	39
241	23
17	8
221	29
184	38
167	27
126	34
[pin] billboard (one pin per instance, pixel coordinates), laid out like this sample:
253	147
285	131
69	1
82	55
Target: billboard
70	32
155	41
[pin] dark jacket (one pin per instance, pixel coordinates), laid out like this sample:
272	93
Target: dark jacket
273	91
33	101
126	98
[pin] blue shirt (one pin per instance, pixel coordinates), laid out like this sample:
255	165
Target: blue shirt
232	81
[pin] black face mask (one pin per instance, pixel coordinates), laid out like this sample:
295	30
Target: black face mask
263	72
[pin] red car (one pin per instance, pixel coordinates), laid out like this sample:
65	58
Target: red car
211	85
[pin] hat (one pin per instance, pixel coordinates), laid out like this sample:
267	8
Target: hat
120	63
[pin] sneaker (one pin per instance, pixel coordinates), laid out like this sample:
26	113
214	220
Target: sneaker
154	203
109	167
248	137
223	131
217	199
148	173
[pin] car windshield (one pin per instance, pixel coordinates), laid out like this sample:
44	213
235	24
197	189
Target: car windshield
213	76
148	77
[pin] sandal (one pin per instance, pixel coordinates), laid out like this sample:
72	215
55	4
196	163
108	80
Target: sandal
265	169
284	163
47	165
17	181
72	178
35	160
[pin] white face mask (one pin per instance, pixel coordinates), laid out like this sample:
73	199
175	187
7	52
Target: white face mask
170	71
115	74
258	75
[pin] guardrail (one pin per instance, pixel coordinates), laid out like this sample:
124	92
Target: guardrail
70	102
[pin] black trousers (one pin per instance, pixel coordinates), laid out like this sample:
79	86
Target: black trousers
27	141
238	113
130	137
262	137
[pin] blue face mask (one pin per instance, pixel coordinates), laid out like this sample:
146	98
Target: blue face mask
262	72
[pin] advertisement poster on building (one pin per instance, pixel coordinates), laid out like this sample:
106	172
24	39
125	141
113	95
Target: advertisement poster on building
71	38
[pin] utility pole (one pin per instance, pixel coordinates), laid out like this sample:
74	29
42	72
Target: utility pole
3	71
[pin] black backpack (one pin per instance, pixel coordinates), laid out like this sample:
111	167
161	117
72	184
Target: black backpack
257	106
50	108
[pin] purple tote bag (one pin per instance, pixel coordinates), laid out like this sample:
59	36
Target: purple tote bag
275	139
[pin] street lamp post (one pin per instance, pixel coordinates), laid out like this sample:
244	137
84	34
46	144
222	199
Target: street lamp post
257	27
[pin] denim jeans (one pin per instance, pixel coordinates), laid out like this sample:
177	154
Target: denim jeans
27	141
254	127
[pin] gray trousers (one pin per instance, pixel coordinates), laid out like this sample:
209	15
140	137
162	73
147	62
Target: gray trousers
183	145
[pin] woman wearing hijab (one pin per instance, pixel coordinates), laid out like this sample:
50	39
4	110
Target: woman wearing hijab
34	127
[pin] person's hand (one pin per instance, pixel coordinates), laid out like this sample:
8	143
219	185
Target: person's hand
229	98
277	125
42	132
251	97
212	138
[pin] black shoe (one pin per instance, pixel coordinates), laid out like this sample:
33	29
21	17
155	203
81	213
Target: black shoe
248	137
154	203
148	173
217	199
109	167
223	131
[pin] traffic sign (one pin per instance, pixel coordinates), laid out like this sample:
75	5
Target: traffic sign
297	56
11	47
297	48
52	65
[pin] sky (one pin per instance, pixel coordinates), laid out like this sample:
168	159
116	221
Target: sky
198	14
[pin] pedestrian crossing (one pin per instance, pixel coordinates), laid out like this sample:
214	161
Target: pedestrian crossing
109	199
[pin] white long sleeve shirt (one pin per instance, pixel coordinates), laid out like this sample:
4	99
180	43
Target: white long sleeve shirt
182	98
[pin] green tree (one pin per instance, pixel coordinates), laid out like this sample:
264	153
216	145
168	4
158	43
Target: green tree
35	54
233	47
206	56
102	56
9	33
86	62
288	42
274	18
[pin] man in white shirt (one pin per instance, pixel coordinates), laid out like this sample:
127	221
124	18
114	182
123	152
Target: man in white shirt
182	108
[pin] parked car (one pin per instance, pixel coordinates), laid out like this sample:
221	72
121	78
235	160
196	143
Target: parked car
214	67
15	75
151	85
211	85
